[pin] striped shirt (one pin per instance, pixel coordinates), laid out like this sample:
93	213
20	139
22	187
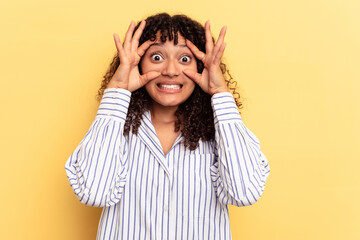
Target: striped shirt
181	195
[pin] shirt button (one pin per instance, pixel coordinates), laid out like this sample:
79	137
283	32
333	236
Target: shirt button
86	191
166	208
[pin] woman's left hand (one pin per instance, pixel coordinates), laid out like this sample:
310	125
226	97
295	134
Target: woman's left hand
211	80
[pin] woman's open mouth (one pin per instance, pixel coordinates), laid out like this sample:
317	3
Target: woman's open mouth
169	86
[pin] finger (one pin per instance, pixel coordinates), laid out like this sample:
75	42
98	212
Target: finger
118	44
220	40
137	35
142	49
198	54
147	77
219	54
193	75
128	34
209	42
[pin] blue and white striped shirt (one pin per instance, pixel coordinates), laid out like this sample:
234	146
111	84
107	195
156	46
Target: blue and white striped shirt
182	195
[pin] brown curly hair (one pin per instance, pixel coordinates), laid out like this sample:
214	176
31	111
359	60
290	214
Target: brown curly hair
195	115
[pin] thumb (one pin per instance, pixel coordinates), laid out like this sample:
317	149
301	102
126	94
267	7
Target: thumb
195	76
147	77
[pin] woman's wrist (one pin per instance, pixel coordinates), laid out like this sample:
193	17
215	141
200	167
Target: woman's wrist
222	90
116	84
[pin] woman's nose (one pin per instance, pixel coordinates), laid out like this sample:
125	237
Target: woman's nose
171	68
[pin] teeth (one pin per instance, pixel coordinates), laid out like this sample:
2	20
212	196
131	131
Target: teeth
166	86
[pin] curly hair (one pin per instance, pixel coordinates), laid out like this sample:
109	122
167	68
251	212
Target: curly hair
195	115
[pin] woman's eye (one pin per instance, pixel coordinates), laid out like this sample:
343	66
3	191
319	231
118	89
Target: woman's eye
185	59
156	57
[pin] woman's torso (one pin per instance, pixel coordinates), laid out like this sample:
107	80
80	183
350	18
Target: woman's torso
166	197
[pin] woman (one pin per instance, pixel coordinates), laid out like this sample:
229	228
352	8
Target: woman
167	151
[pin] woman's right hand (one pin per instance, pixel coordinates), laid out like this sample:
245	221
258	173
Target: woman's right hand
127	74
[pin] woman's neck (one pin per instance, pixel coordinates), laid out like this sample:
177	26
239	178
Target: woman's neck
161	114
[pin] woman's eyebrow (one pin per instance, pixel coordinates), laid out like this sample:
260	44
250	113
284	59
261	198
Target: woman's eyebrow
156	44
162	45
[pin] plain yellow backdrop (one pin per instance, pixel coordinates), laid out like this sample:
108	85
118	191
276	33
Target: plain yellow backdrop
297	64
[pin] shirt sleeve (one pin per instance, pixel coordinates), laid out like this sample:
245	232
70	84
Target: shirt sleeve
241	169
97	168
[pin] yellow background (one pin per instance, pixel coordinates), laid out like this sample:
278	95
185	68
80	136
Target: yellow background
297	63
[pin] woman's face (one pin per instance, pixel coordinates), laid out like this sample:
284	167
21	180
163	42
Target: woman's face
172	87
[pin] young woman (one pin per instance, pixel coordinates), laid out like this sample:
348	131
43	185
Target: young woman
167	151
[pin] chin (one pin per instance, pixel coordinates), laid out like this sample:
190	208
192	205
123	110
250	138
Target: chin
169	104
